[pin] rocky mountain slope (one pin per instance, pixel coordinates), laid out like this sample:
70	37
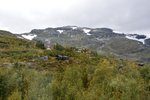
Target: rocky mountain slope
102	40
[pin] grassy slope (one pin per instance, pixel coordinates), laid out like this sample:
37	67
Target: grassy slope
129	49
14	49
9	41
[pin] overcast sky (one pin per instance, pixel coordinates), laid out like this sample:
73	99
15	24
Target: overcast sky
121	15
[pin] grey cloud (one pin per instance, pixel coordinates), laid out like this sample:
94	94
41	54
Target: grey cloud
122	15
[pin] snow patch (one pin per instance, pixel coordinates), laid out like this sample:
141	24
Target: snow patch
118	32
133	37
74	27
87	31
60	31
134	32
29	37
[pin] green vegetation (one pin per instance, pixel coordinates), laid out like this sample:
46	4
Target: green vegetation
25	75
40	44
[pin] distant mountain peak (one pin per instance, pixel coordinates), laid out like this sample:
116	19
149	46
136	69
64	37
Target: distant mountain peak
103	40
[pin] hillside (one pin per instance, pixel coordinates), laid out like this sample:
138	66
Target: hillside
13	47
11	41
102	40
30	72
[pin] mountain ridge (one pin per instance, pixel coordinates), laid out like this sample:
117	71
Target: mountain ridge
102	40
87	30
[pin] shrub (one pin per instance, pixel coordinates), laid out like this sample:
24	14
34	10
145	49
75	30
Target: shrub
40	44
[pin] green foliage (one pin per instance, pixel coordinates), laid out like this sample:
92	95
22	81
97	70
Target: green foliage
23	83
145	72
40	45
100	79
102	82
4	87
85	76
7	83
58	47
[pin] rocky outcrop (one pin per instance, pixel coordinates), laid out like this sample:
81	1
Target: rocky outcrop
140	36
147	42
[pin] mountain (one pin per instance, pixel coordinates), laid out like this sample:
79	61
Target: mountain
30	72
102	40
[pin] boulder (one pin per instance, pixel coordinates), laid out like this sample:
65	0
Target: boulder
61	57
141	64
44	58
